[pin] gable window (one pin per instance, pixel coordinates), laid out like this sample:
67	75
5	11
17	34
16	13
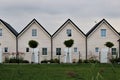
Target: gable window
27	49
69	32
75	49
58	51
96	49
103	32
6	49
34	32
0	32
114	51
44	51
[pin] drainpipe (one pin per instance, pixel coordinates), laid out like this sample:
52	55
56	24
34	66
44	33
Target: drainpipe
51	48
119	47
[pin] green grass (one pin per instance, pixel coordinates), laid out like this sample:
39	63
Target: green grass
59	72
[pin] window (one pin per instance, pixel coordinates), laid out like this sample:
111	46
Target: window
34	32
6	49
96	49
75	49
27	49
0	32
114	51
69	32
103	32
58	51
44	51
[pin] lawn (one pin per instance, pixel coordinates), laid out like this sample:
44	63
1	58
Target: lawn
59	71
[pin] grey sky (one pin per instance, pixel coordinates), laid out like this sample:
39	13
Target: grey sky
53	13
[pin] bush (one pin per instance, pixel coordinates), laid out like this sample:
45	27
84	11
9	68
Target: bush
91	61
115	60
44	61
14	60
79	61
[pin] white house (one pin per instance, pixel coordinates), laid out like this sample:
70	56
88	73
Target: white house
69	31
7	41
101	33
34	31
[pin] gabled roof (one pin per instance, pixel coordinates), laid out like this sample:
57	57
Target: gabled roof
103	20
9	27
65	24
34	20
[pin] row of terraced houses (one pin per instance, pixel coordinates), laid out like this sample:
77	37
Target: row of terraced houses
90	45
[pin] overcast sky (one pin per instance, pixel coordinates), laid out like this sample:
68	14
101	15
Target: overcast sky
51	14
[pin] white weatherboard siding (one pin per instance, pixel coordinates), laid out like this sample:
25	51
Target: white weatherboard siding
95	39
79	42
42	38
7	39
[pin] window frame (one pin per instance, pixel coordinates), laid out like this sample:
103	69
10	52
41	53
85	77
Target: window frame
97	49
44	51
27	49
69	32
58	51
114	51
75	49
6	50
34	32
1	32
103	32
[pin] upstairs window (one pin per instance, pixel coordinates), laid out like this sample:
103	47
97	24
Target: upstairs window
69	32
103	32
114	51
58	51
34	32
0	32
44	51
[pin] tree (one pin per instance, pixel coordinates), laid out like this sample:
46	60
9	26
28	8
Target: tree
33	44
109	45
68	44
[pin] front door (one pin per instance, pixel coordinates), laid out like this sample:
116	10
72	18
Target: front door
67	58
104	57
36	51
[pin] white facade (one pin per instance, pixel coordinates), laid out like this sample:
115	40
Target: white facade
43	38
96	40
7	42
79	42
91	44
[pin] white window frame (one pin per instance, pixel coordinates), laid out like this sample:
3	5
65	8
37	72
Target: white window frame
34	32
44	51
58	51
103	32
69	32
6	50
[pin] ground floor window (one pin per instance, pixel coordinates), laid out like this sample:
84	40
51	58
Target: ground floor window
58	51
6	49
114	51
96	49
44	51
75	49
27	49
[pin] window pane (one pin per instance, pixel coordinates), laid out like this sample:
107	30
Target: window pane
34	32
44	51
0	32
75	49
103	32
114	51
6	49
96	49
58	51
69	32
27	49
